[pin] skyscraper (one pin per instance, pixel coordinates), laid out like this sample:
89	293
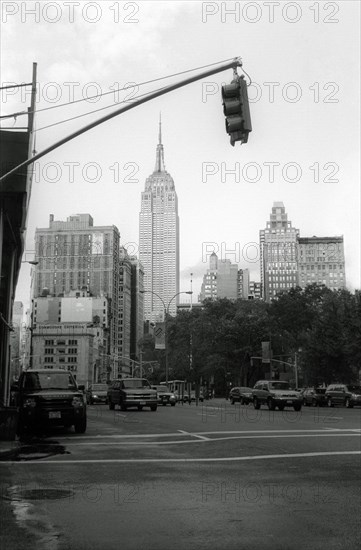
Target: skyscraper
159	240
278	253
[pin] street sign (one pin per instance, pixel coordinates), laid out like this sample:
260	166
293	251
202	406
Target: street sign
159	334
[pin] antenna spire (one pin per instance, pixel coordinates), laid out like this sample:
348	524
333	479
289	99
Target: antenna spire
159	163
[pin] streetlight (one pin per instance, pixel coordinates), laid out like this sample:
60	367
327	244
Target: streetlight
166	313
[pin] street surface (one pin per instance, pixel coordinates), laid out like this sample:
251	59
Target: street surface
213	476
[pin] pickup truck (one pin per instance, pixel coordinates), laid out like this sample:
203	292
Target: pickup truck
275	393
132	392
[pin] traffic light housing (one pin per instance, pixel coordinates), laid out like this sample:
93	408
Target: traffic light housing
236	110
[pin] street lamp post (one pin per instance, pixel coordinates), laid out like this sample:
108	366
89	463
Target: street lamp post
166	313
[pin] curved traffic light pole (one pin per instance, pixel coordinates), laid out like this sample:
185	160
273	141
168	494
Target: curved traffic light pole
236	62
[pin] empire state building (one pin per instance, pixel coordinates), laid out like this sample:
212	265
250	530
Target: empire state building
159	240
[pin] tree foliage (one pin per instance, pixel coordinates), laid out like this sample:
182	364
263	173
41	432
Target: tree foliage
220	339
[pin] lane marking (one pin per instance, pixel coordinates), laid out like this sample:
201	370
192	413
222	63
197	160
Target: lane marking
200	438
181	433
185	460
191	434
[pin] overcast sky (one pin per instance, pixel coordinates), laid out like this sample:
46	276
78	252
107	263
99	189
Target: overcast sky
303	59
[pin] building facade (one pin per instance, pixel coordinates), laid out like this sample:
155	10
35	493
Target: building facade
221	280
321	260
255	290
72	332
278	254
74	256
159	240
243	283
16	341
137	307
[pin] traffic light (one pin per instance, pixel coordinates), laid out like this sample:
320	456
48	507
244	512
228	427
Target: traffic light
236	109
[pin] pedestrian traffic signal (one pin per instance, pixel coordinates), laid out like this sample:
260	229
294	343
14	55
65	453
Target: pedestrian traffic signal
236	109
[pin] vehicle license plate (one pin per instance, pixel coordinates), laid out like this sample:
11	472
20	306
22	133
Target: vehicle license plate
55	414
141	402
289	402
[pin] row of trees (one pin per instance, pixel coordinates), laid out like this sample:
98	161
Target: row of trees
218	341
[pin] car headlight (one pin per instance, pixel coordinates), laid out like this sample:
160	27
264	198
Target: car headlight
30	402
172	395
78	402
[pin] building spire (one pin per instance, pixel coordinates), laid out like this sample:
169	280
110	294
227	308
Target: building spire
159	163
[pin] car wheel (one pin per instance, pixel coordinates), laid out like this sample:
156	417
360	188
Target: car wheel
153	407
305	403
256	403
348	404
271	405
80	426
231	400
297	407
123	407
329	402
111	406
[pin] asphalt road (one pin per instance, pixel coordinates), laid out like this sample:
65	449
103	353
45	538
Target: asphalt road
214	476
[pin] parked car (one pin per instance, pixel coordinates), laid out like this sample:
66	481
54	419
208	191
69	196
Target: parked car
275	393
49	397
241	394
132	392
97	393
165	397
348	395
314	396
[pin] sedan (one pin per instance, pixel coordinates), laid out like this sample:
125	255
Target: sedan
241	394
314	396
97	393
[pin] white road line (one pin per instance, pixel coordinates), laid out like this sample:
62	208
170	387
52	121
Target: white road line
181	433
184	460
200	438
191	434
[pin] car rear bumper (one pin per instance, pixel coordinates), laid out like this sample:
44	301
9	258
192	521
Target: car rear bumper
140	402
54	417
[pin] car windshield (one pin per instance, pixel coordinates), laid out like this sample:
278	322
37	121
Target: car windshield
320	390
280	386
246	390
99	387
49	381
161	389
134	384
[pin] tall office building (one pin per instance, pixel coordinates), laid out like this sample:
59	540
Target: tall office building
159	240
278	254
74	255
